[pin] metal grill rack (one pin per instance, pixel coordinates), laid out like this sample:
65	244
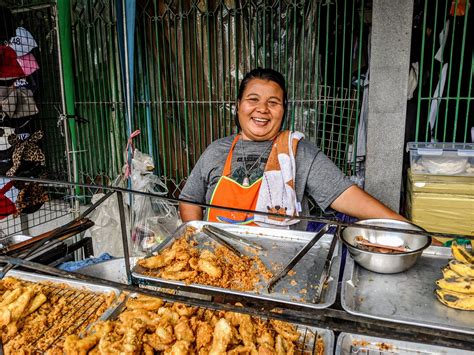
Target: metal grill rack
82	311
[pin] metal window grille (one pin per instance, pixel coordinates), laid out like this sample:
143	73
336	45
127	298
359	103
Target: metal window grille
37	109
442	44
191	56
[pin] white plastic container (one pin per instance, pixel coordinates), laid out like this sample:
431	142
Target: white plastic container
441	158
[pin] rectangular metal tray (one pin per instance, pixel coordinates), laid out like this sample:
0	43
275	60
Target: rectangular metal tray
348	344
79	285
307	333
406	297
280	246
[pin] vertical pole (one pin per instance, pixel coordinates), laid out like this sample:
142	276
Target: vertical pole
123	229
67	84
66	73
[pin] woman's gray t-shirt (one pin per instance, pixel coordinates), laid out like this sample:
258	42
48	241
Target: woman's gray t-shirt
316	174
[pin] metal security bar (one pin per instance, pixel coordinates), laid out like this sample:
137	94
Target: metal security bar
191	56
99	106
443	46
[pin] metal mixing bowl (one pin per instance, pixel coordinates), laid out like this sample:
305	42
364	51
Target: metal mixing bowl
380	262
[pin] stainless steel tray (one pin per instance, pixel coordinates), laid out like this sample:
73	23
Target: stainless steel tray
406	297
280	246
348	344
307	341
79	285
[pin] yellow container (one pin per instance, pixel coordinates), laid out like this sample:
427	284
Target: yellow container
443	204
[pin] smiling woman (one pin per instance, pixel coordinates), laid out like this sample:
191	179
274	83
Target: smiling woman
266	169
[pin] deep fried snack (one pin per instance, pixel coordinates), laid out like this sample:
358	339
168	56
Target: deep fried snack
179	329
220	267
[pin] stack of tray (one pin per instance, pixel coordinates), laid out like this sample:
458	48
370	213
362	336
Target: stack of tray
297	289
406	297
82	299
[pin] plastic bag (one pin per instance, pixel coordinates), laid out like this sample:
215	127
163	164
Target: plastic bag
106	232
153	218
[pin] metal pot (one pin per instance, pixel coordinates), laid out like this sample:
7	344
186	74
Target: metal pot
380	262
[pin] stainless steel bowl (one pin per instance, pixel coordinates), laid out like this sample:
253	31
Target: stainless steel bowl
380	262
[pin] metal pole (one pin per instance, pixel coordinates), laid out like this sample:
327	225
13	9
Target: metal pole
123	228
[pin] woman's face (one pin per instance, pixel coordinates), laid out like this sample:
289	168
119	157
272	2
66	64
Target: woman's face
261	110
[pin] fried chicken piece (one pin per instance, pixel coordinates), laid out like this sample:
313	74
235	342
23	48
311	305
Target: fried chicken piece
221	337
131	341
279	348
266	349
165	333
181	347
266	338
128	316
203	334
147	349
241	349
183	255
246	329
286	330
183	331
144	302
176	266
167	315
210	267
73	345
183	310
160	260
193	262
154	342
178	275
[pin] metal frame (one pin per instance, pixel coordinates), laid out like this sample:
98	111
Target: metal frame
333	318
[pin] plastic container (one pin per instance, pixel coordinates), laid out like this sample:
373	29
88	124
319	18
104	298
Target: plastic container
442	158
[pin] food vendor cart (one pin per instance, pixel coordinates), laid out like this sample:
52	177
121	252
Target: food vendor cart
334	304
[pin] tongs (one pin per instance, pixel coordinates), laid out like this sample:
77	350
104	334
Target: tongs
217	238
297	258
228	235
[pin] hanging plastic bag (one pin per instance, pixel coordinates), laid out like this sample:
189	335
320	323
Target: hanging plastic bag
106	232
153	218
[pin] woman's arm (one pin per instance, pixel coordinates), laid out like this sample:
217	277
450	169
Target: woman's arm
189	212
357	203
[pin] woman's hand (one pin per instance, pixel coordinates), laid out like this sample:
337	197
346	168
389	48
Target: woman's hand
357	203
189	212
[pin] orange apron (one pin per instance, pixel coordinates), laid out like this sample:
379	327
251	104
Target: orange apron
229	193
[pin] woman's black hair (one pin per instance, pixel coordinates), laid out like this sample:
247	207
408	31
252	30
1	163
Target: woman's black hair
263	74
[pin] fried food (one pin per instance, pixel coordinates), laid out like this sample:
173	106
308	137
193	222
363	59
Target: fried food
179	329
34	314
219	267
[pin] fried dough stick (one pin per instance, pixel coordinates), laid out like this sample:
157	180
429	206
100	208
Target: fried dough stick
13	311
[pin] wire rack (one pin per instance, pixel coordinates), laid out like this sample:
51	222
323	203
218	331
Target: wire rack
82	309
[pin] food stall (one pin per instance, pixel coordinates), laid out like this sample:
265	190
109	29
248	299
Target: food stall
216	288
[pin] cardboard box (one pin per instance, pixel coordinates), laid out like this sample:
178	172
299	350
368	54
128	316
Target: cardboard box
443	204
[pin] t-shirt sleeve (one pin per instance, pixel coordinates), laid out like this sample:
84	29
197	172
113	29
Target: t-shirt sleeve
325	181
195	187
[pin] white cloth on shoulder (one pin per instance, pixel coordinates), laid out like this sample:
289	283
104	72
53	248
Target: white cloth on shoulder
277	192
